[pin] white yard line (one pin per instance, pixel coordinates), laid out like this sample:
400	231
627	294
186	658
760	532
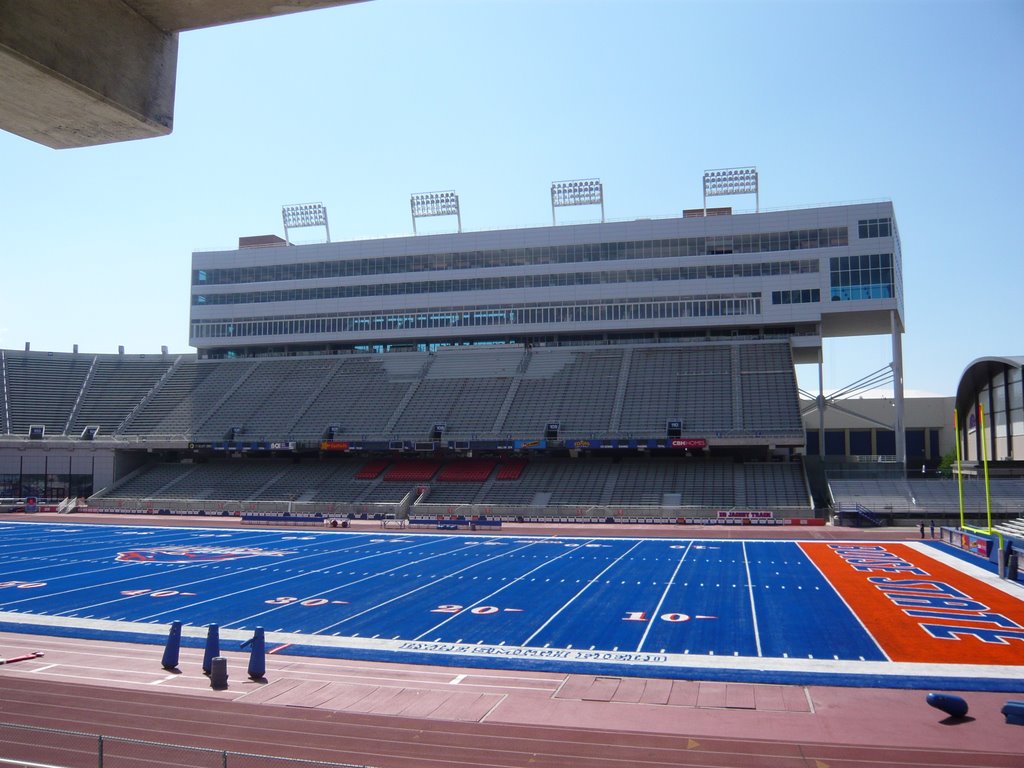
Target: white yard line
572	599
753	608
661	601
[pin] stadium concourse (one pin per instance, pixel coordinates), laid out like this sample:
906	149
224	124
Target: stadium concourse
385	713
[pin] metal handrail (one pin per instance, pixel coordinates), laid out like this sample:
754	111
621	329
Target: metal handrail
225	756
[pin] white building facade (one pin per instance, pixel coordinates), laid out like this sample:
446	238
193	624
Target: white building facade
806	273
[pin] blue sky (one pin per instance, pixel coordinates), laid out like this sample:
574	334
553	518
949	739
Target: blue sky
359	106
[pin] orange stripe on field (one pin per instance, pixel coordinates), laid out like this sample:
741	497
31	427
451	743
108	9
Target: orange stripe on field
903	637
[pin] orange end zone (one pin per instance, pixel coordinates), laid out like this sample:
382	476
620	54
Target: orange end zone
920	610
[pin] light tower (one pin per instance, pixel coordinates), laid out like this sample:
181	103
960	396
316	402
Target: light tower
731	181
424	204
304	215
577	192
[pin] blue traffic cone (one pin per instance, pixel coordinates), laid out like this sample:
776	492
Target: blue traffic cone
212	647
170	659
258	655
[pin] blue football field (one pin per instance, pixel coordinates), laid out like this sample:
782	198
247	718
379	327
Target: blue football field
713	609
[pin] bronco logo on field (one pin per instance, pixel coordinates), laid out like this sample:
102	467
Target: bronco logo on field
186	554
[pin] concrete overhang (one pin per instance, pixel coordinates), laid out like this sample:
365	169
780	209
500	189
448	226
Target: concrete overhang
865	322
77	74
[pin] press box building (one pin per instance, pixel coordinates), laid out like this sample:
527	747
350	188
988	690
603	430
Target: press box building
800	274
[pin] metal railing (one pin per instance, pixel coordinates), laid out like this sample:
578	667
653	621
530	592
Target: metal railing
228	508
1002	509
27	745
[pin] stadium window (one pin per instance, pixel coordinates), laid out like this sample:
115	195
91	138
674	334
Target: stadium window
915	443
870	228
860	442
885	442
835	442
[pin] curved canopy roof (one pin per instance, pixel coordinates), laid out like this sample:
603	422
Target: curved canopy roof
978	373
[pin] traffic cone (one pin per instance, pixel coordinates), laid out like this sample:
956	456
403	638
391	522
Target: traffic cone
212	647
257	655
170	659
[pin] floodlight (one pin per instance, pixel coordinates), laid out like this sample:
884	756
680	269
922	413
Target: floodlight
577	192
304	215
731	181
424	204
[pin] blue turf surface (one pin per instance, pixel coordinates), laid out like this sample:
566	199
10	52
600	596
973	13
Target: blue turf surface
621	596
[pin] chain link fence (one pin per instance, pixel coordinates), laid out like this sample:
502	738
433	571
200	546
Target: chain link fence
34	747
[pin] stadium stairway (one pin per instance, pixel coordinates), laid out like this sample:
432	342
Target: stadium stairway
737	389
215	409
620	391
610	481
509	399
314	396
389	428
817	481
273	479
152	393
368	491
78	400
739	484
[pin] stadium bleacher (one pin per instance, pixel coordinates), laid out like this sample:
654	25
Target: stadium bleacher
43	389
912	500
551	482
224	422
474	392
467	471
575	387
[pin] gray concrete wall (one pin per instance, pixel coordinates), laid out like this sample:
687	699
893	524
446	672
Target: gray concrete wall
84	73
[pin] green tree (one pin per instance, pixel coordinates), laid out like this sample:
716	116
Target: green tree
947	464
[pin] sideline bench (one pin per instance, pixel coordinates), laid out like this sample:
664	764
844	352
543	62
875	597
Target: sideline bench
285	519
452	524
